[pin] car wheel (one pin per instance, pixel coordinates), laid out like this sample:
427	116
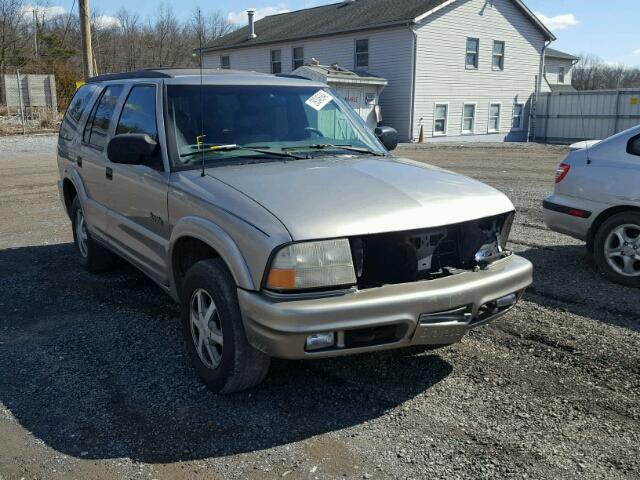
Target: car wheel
214	333
617	248
94	257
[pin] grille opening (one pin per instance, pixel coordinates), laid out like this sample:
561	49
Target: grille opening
409	256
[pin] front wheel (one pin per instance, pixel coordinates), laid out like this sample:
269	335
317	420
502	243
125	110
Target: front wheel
214	333
617	248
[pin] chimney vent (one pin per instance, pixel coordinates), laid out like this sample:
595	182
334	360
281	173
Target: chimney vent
252	29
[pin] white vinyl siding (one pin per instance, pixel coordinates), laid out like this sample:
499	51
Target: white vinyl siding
497	59
468	118
441	117
390	57
553	71
495	109
441	77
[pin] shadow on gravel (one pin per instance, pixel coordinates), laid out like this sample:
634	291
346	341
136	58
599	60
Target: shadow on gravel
565	277
93	365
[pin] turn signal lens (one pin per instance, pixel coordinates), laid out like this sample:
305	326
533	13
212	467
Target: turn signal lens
562	172
310	265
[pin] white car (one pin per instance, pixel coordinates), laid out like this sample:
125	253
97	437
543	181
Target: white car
597	199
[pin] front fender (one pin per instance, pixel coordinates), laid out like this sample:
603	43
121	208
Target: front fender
210	233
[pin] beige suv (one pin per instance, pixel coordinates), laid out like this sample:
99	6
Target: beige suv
280	222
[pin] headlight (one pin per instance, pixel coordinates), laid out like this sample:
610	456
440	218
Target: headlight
310	265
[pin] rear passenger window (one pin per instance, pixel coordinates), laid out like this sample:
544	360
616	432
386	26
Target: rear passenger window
78	105
97	128
139	112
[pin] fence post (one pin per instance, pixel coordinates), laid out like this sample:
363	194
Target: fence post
615	121
548	116
20	101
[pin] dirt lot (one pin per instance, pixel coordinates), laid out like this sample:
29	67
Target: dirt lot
94	382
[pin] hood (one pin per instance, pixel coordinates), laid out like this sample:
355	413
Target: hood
343	196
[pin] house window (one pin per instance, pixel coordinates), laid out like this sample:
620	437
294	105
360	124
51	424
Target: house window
468	117
516	120
440	119
225	62
276	61
297	54
494	117
362	53
498	55
473	46
560	74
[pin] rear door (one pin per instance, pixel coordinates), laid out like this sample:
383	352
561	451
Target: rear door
92	158
138	207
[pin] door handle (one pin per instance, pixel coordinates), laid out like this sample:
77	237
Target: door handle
109	173
79	161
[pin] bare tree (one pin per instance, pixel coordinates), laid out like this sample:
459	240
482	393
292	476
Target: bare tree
592	73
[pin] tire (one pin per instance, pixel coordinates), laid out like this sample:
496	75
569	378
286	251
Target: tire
224	360
617	248
93	256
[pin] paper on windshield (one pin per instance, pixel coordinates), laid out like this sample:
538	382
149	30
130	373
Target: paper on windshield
319	100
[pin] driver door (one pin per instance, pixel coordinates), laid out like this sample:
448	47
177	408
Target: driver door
138	215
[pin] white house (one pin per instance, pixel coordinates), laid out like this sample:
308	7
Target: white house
457	69
558	67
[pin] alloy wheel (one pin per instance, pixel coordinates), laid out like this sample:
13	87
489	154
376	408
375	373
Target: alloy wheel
622	250
206	328
81	233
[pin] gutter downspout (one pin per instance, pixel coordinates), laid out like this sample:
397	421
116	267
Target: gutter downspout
414	62
541	74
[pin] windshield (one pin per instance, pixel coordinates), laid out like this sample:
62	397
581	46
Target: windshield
238	122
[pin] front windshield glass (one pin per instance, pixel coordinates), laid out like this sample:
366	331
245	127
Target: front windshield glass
234	122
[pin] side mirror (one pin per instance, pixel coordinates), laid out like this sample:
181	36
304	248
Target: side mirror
388	136
131	148
633	147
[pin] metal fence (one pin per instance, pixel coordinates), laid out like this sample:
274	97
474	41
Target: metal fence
566	117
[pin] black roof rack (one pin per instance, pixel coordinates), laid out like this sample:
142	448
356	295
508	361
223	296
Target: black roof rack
161	72
129	75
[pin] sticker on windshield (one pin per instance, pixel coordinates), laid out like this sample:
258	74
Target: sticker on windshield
319	100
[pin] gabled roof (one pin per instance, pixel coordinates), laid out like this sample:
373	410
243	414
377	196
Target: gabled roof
343	17
551	53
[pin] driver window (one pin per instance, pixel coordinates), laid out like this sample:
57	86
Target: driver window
139	116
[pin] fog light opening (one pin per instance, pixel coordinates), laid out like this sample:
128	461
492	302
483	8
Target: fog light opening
319	341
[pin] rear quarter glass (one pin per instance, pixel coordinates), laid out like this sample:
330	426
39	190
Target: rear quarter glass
77	107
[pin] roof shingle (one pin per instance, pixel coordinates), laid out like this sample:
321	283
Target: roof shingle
332	19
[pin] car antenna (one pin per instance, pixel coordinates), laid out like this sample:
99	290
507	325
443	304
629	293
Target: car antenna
200	139
584	129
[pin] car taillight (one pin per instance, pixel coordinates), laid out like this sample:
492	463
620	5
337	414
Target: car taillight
562	172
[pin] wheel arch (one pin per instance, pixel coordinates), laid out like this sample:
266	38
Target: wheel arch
194	239
603	216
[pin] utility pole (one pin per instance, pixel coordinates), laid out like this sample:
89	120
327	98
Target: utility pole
35	30
87	51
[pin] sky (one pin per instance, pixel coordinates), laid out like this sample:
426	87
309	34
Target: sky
607	29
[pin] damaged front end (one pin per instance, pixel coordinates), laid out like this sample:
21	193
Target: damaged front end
410	256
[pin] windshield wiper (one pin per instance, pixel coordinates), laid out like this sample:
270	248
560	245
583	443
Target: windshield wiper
350	148
265	150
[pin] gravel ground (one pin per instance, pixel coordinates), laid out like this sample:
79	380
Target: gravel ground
94	382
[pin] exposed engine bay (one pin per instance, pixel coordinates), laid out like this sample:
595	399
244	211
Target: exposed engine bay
401	257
